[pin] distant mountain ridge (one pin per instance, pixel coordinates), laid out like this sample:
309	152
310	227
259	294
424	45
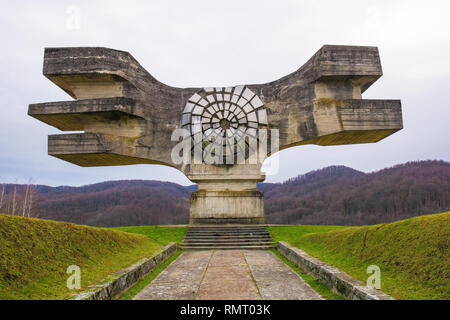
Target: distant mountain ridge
341	195
332	195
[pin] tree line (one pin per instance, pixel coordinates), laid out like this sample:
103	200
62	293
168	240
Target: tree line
333	195
18	199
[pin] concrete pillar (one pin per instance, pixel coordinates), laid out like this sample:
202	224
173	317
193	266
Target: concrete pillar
226	195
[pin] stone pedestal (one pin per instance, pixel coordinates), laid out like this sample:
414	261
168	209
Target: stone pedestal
226	195
227	207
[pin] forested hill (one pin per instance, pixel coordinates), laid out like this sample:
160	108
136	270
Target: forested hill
333	195
340	195
112	203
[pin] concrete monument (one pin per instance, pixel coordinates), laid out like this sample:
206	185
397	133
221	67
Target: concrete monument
128	117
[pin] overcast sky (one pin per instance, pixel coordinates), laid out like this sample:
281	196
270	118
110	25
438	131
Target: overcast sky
223	43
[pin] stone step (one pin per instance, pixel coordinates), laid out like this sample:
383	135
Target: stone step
229	234
226	241
229	247
230	244
226	233
222	236
226	226
229	239
223	227
236	237
261	228
227	229
218	235
204	236
230	230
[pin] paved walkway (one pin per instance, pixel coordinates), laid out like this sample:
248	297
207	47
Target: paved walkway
228	275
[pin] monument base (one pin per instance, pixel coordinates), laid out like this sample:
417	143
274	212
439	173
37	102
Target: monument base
227	207
226	195
226	221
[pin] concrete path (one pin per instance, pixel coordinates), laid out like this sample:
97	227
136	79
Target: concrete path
228	275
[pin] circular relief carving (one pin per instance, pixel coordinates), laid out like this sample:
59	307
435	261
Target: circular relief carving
231	113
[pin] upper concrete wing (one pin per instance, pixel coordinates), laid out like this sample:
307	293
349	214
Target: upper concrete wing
128	117
321	103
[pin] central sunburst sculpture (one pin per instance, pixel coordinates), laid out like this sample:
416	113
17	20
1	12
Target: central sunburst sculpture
224	117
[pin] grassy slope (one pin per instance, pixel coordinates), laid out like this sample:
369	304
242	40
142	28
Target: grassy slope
413	254
158	234
35	254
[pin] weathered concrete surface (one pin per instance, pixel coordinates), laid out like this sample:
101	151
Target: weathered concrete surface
228	275
245	207
124	279
127	117
334	278
180	280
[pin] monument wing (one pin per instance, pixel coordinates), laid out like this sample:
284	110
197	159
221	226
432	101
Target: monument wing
321	103
127	115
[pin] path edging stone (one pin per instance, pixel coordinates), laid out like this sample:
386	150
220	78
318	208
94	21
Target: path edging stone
334	278
113	285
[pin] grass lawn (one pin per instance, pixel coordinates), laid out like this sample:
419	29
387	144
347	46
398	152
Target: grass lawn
35	254
159	234
413	254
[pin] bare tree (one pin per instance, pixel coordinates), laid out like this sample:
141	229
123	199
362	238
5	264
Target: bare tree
2	196
8	204
18	200
32	197
25	200
13	212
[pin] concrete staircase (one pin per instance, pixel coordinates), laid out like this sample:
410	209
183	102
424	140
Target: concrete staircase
227	237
